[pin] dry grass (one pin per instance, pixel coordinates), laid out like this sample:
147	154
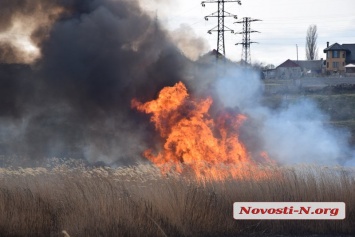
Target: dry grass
138	201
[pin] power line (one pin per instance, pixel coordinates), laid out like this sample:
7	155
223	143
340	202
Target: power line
220	28
246	38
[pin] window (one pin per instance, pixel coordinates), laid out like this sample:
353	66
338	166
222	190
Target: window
329	54
343	64
335	64
343	54
327	64
335	54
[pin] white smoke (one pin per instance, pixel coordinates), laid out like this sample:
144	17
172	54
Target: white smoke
239	88
188	42
298	132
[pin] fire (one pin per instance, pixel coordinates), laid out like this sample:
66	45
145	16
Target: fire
193	140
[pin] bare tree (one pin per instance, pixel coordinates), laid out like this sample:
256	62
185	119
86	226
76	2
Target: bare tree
311	43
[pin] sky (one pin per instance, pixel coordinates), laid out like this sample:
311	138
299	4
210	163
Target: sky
284	25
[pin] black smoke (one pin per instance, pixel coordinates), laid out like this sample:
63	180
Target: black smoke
75	100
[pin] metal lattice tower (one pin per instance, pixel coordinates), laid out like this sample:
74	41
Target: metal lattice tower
220	28
246	38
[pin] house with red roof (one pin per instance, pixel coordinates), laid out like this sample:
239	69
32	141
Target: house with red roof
288	70
291	69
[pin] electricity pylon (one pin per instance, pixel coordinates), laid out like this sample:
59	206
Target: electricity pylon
220	28
246	38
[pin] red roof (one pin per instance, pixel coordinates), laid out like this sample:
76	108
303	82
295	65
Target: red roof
288	63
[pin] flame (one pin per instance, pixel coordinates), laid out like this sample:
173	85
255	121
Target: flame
193	140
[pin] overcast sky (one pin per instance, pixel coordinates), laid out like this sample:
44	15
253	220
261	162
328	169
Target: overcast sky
284	25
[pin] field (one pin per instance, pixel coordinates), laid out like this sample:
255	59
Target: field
139	201
334	96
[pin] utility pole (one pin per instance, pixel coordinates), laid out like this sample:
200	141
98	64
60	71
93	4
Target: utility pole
220	28
297	51
246	38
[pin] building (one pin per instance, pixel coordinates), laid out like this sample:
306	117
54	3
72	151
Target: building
288	70
291	69
338	56
311	67
350	68
269	73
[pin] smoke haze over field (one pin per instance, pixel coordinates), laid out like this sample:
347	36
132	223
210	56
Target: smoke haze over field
95	56
295	133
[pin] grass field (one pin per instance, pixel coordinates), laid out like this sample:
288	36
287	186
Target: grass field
138	201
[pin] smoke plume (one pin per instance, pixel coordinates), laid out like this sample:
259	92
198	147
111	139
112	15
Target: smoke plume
74	101
297	132
23	27
188	42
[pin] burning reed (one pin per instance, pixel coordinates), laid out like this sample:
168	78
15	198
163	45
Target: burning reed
140	201
207	145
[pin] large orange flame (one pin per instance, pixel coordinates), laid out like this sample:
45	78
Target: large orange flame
195	142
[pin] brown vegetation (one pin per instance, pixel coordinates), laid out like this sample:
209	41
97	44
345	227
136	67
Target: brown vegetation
138	201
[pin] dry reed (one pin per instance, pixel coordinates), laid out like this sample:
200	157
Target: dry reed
139	201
